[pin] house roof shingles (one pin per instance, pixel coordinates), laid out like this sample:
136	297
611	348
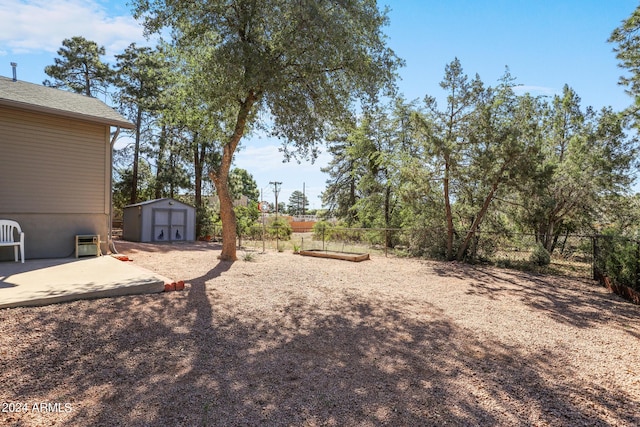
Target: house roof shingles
33	97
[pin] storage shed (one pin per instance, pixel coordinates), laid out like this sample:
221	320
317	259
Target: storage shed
160	220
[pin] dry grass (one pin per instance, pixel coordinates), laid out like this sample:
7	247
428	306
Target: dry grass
298	341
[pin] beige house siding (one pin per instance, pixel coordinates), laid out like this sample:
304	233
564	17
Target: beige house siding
54	179
53	235
60	160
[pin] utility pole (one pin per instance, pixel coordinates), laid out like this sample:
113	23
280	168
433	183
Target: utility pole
303	200
276	191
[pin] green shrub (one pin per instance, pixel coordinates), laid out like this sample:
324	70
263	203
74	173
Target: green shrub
322	229
255	232
280	229
248	257
205	220
427	242
246	216
540	256
618	258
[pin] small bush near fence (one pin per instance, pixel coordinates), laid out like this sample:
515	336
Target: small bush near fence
540	255
617	257
279	229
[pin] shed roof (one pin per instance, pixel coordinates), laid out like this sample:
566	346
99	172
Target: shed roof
33	97
150	202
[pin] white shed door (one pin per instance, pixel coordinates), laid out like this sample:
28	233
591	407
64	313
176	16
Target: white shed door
169	224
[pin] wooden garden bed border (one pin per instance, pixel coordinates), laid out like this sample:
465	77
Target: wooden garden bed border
347	256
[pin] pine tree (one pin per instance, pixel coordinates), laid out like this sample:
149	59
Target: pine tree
79	68
298	203
140	78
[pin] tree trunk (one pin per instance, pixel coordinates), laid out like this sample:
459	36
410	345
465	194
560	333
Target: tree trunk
220	179
136	155
227	214
160	164
387	206
387	214
563	247
198	167
552	234
447	207
87	81
352	214
476	223
547	234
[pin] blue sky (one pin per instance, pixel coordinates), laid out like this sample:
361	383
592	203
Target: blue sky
545	43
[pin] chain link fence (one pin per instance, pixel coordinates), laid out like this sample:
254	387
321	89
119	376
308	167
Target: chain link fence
572	254
356	240
594	257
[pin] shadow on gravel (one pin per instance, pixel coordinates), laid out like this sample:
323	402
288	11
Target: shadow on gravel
576	302
304	365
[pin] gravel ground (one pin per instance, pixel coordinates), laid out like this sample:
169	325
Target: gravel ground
288	340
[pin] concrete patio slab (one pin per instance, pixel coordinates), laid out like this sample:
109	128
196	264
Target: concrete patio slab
42	282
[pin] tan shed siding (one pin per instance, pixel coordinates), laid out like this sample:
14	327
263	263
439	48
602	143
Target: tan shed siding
60	161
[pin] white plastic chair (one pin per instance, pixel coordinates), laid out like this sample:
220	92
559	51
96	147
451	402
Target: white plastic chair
7	237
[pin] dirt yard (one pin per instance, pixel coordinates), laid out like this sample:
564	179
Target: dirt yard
287	340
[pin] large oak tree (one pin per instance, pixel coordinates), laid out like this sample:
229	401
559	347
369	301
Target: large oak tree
293	67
